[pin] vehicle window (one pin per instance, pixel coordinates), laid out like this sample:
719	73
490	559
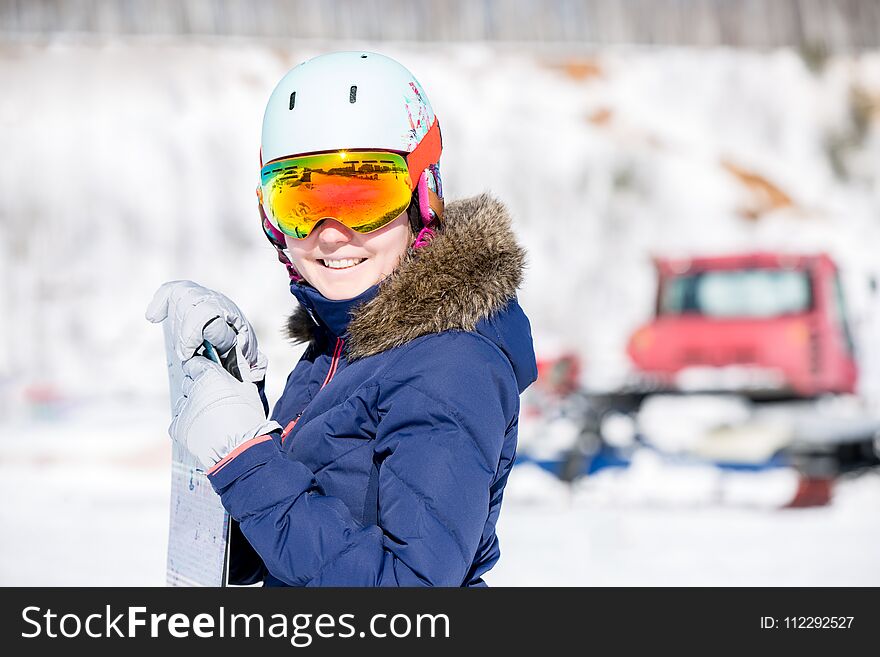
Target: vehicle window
840	314
738	293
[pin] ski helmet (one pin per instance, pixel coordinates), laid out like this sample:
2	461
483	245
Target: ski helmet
355	100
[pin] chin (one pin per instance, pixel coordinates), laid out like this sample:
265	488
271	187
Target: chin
341	290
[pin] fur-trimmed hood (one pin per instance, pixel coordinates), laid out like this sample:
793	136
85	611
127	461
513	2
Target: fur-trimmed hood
470	269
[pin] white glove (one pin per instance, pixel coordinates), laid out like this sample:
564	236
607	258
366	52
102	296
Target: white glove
197	314
217	412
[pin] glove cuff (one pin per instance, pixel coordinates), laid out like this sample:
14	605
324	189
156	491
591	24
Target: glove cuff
266	428
258	369
262	431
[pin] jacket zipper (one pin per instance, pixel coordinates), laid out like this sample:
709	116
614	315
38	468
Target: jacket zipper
337	352
289	427
334	363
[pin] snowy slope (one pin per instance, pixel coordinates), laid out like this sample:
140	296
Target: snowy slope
87	504
137	163
128	164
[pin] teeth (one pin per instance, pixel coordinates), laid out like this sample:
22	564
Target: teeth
343	264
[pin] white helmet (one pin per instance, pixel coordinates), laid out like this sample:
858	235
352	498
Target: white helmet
356	100
345	100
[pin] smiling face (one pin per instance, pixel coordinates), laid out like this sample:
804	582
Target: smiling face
341	263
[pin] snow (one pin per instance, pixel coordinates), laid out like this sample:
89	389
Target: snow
87	497
697	547
87	504
135	162
140	161
658	526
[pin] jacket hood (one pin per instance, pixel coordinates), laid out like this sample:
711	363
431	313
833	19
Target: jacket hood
466	278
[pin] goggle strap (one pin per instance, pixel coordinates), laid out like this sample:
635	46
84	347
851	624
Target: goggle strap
436	204
276	238
269	228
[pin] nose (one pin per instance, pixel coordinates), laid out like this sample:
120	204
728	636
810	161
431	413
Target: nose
331	231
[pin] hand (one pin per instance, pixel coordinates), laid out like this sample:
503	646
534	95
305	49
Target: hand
217	412
197	314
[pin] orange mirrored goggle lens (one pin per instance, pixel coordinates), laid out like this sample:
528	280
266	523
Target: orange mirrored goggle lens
362	190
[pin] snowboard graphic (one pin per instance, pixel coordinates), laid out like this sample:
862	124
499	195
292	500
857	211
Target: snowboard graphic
198	533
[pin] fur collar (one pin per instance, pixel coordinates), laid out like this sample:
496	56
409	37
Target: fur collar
471	268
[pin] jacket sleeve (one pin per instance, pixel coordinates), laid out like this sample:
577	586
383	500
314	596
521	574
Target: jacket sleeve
438	442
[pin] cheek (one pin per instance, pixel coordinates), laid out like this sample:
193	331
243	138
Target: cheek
295	260
394	249
297	250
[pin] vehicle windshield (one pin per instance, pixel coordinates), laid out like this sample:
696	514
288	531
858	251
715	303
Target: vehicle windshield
750	293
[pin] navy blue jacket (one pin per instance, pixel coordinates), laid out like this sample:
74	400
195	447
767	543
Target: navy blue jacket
400	421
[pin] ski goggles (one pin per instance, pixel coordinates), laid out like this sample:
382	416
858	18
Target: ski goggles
362	189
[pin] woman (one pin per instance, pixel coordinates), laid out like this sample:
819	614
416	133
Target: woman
385	459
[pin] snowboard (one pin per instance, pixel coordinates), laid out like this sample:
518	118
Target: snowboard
198	532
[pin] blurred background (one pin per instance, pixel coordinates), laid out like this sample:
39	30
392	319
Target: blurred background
695	181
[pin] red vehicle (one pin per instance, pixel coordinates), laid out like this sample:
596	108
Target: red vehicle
762	323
